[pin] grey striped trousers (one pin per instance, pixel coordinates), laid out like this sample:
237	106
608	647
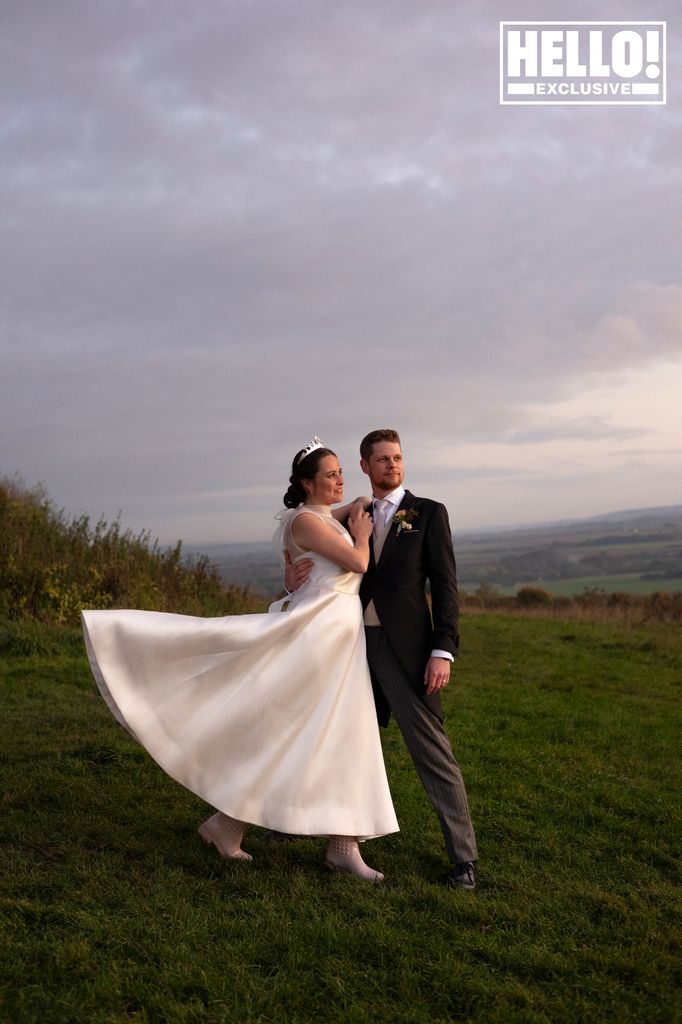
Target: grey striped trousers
429	747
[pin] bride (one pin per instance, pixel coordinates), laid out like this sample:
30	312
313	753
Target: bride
270	718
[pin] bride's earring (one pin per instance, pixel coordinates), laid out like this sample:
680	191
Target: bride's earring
226	835
343	854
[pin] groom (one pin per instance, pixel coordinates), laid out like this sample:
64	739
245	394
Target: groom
409	648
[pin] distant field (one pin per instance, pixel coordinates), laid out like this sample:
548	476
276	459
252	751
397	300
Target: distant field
630	547
629	583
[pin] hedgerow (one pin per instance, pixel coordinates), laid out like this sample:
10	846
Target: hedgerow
52	566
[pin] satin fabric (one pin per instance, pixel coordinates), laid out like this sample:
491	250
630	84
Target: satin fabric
269	718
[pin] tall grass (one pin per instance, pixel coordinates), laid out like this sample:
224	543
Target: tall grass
593	605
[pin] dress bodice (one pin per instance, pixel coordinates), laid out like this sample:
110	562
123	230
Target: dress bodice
325	574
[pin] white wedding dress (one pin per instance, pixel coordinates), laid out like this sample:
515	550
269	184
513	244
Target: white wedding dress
270	718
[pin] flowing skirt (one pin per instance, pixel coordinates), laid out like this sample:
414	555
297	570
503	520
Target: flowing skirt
269	718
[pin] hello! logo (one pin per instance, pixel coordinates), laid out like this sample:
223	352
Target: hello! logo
593	62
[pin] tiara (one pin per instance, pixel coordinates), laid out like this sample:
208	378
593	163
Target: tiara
310	447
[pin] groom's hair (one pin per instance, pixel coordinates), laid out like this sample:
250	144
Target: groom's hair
374	437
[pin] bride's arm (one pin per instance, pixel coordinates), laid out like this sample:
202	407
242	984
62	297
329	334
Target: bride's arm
343	511
311	534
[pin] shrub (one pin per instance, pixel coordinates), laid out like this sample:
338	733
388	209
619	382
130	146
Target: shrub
51	567
530	597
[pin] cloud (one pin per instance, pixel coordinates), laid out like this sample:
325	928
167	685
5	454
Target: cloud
230	231
586	428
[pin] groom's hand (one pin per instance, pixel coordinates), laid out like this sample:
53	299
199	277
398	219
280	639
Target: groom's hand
295	573
437	674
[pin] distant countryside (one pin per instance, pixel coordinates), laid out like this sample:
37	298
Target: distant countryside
637	552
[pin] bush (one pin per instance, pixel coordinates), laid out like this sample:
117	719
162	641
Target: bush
51	567
663	606
531	597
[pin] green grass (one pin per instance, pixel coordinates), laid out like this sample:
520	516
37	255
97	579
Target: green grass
629	583
112	910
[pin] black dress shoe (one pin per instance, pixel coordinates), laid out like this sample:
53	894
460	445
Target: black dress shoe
463	876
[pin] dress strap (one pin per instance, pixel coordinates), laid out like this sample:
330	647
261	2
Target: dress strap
310	511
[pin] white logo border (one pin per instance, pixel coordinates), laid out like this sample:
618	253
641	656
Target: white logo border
584	103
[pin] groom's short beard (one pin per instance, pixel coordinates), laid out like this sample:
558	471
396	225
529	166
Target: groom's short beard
389	479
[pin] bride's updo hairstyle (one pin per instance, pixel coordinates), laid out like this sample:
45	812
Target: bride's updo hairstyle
306	469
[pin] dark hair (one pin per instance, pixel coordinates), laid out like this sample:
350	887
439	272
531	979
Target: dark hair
374	437
306	469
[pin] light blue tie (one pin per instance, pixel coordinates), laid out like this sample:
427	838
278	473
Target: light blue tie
381	507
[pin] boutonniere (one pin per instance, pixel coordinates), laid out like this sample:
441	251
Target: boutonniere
403	519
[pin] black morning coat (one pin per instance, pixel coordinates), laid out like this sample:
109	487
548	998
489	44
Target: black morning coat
397	585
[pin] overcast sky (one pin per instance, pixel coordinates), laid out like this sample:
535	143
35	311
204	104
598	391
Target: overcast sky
229	225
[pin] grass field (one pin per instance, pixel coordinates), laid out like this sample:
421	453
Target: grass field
113	911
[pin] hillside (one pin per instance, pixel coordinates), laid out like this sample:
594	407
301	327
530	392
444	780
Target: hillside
51	566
